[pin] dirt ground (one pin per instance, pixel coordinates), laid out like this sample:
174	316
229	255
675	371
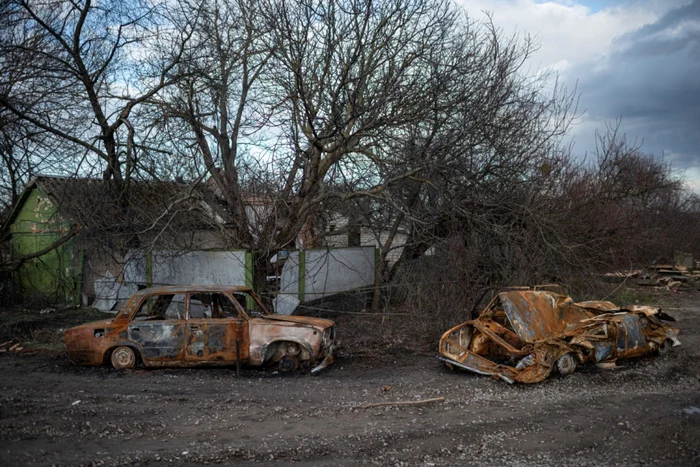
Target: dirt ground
646	412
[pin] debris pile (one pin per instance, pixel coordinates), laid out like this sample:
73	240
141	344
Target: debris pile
683	271
669	276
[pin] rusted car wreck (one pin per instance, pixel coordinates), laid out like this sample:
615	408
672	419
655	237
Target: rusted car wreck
202	325
523	335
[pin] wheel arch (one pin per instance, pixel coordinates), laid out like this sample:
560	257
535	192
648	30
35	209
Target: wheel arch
270	349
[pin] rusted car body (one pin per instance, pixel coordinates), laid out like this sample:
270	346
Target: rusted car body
523	335
202	325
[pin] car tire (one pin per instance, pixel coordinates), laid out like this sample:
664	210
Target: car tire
288	364
566	364
123	358
665	347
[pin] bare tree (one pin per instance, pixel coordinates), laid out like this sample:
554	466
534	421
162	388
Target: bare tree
405	104
80	71
406	116
15	165
613	205
289	100
351	78
490	130
23	148
214	108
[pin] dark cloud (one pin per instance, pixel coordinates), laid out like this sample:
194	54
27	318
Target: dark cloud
652	80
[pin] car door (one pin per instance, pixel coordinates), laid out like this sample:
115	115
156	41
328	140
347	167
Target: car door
214	329
158	328
630	337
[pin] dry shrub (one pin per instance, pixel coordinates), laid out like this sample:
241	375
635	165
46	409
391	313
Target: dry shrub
437	291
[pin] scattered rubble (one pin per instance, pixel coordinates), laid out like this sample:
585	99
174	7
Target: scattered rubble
669	276
11	346
682	273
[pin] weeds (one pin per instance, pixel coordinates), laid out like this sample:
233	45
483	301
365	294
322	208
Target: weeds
43	329
637	296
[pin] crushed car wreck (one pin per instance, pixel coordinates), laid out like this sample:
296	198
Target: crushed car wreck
202	325
523	335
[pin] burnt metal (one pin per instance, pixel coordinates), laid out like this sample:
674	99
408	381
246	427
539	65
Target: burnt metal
238	359
523	335
209	325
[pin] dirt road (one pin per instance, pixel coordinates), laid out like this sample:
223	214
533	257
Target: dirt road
647	412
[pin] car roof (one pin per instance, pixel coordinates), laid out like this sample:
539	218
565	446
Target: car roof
189	288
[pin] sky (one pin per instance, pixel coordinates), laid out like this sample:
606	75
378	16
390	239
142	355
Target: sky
634	61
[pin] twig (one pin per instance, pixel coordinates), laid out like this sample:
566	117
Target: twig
424	401
621	283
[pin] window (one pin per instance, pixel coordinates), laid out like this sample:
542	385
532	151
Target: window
247	302
223	307
211	305
165	306
200	306
176	309
241	299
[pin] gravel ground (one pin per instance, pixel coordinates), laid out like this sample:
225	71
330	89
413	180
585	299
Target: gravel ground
646	412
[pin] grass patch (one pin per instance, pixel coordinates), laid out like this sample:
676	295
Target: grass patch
637	296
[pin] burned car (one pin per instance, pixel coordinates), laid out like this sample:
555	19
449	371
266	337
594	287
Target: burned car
523	335
202	325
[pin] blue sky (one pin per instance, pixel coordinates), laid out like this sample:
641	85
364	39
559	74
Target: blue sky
634	60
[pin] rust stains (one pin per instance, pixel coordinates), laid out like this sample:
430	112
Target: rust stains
185	326
524	335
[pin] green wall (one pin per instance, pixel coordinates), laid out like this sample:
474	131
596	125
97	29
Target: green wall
36	226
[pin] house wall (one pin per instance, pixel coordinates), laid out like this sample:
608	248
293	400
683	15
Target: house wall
54	276
368	238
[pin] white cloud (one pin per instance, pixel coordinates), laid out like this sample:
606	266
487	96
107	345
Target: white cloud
692	178
568	31
634	60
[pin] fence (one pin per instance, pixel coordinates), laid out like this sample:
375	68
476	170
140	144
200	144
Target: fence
305	275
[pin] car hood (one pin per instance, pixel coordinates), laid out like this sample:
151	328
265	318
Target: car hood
308	320
540	315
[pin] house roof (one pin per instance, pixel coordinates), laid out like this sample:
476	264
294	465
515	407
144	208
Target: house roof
95	204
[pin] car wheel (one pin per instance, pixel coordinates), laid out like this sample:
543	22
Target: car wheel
123	358
665	347
566	364
288	363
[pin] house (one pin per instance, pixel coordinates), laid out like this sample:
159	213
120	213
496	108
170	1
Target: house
344	230
88	242
93	226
